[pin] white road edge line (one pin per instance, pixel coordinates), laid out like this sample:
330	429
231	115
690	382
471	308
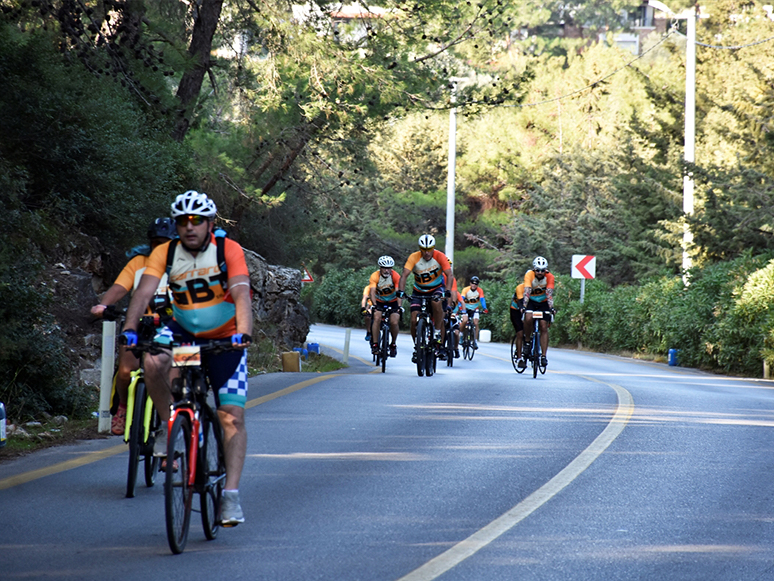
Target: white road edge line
481	538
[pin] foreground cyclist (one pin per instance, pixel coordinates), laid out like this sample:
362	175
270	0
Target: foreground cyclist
538	296
383	288
204	307
161	230
429	267
517	315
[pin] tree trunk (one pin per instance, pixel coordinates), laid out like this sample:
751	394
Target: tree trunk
207	16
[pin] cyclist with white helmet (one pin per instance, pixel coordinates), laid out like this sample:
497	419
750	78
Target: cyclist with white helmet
160	230
384	288
429	267
205	306
473	295
538	296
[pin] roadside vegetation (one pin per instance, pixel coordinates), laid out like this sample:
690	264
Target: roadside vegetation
325	143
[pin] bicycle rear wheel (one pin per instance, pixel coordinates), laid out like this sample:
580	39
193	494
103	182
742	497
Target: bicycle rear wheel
420	347
213	471
178	492
135	436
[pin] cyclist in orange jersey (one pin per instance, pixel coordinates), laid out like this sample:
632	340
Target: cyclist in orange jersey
384	297
473	295
366	309
538	296
161	230
517	318
429	267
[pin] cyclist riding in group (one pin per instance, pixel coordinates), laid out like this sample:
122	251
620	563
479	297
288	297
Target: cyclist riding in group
160	230
473	295
538	296
429	267
383	287
211	300
367	310
517	314
457	312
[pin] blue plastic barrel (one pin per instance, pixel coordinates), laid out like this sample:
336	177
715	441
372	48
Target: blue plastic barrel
673	356
304	353
313	348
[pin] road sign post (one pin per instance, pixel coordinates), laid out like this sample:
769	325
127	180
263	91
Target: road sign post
583	267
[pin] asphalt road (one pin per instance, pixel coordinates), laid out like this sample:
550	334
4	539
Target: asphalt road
604	468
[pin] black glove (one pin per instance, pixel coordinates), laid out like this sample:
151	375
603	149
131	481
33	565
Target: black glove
400	294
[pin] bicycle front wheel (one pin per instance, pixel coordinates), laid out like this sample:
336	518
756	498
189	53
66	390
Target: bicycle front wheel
535	354
449	347
153	423
135	435
177	489
213	471
430	351
384	347
420	347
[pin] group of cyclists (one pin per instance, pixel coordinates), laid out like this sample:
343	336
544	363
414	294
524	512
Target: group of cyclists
434	279
196	284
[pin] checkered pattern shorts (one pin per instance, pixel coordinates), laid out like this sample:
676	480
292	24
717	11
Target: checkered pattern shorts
234	391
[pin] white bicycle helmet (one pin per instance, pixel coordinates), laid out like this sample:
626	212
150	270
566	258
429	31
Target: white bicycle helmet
426	242
192	202
540	263
386	261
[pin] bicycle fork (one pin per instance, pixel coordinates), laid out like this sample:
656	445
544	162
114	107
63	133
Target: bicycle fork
193	418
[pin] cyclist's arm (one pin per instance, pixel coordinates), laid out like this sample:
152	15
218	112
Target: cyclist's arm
140	299
114	294
550	297
403	278
239	286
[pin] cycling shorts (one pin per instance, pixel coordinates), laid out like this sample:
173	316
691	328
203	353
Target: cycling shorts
227	370
538	306
472	314
391	305
517	321
417	298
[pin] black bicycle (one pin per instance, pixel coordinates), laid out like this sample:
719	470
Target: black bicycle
195	457
448	343
534	350
380	358
515	356
466	341
425	341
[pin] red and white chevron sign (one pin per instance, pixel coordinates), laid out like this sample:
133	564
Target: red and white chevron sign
584	266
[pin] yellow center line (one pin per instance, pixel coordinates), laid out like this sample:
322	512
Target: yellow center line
91	457
486	535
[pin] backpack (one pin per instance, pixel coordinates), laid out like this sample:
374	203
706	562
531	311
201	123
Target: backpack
220	241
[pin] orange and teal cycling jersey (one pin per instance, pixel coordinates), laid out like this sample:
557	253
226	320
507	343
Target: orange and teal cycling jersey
131	274
200	303
428	274
537	287
473	298
386	286
518	297
458	306
367	295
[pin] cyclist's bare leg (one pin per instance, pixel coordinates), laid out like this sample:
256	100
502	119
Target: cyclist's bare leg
414	315
475	322
377	317
394	321
463	323
232	418
438	318
158	380
544	337
519	342
127	363
527	327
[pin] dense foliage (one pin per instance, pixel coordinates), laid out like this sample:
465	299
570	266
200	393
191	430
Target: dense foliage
323	136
